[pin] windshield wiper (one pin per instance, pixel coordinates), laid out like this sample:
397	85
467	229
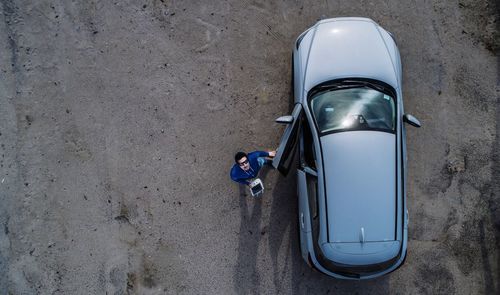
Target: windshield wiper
367	84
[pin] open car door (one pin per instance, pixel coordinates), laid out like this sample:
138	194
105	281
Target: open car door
285	152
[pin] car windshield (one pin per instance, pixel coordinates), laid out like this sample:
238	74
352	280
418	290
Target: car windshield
355	108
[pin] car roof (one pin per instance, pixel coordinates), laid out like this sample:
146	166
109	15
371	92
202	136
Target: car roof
360	182
347	48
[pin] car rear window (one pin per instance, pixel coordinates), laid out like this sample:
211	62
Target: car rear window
355	108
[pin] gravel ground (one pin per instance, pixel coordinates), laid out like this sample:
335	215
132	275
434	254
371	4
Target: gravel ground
119	121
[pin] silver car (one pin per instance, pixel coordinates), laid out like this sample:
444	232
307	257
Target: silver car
348	124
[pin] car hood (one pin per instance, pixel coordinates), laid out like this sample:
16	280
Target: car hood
347	48
360	180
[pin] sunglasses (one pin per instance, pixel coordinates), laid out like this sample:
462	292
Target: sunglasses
243	163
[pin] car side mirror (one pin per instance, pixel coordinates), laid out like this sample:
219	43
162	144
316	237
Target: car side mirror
285	120
407	118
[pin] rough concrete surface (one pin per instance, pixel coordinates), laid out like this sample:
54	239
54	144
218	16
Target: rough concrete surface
119	121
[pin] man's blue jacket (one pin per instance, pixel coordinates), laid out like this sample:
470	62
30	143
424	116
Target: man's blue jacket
238	175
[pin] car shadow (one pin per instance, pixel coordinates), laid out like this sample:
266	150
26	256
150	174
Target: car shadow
494	207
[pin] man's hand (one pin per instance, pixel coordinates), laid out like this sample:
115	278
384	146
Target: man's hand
272	154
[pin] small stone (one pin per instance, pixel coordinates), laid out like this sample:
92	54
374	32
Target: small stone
456	165
29	119
122	219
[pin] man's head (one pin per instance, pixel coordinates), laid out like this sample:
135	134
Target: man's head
241	160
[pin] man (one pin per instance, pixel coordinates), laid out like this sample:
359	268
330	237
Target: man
248	166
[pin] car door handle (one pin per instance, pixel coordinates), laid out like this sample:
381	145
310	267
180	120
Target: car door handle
302	220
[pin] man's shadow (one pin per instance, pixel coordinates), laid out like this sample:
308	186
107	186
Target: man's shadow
246	274
283	232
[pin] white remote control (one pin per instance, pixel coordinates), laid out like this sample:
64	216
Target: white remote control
256	187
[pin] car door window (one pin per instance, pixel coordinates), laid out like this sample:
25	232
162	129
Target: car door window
286	150
312	193
308	152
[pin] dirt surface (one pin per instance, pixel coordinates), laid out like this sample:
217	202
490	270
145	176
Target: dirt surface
119	121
